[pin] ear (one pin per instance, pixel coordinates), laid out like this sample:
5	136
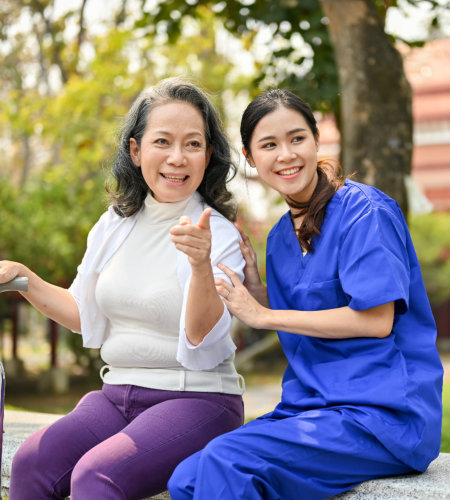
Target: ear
135	152
318	140
248	157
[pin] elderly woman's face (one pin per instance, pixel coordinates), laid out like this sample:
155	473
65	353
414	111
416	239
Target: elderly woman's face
173	154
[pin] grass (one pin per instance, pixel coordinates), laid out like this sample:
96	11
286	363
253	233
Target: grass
61	404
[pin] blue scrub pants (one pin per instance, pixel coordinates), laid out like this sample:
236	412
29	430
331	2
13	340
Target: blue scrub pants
311	455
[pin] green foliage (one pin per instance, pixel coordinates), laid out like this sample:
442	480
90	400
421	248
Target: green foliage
431	237
58	134
305	65
300	55
48	216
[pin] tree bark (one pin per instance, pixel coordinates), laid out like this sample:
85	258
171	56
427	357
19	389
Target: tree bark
376	119
81	32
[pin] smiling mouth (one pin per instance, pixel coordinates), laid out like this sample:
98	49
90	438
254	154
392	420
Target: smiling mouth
175	178
289	171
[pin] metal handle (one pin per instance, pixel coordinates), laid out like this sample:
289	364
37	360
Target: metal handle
15	285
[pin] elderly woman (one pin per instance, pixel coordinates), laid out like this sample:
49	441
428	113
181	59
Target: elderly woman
145	294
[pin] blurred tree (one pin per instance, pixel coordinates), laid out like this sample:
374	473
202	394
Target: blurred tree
376	117
73	136
306	37
64	91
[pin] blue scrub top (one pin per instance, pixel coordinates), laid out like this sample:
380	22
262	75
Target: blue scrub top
364	257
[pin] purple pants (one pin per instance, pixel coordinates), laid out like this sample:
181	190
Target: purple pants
122	442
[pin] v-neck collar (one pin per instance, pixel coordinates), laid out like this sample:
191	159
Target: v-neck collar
292	239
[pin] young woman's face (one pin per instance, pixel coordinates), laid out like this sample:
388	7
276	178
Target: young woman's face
284	151
173	154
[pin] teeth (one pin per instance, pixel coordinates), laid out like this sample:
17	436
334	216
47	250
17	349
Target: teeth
175	178
289	171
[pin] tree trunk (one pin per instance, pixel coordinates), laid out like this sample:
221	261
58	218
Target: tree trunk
376	119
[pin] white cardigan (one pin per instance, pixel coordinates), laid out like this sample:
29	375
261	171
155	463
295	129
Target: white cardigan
103	241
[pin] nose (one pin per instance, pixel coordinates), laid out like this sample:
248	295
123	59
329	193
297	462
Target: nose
176	156
285	153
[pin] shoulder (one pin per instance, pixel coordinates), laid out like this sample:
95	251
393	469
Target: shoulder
355	200
108	222
362	208
221	226
109	218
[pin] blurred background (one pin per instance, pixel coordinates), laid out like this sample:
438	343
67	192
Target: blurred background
376	72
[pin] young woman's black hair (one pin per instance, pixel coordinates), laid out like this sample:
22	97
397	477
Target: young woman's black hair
330	176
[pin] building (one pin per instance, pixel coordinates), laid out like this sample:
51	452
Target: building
428	70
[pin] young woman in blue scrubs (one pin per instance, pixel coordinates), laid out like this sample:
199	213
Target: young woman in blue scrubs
362	390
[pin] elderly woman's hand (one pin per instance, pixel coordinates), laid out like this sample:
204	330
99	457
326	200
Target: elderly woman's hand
194	239
9	270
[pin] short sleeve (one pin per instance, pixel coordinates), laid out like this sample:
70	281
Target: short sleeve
76	289
373	261
102	242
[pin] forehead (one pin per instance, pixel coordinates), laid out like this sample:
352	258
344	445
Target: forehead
175	114
279	122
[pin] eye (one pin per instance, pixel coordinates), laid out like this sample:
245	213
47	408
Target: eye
268	145
161	141
298	139
194	145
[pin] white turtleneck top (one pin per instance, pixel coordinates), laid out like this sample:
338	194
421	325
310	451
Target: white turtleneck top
138	291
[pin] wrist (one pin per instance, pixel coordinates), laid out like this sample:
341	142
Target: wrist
261	296
201	270
264	319
24	271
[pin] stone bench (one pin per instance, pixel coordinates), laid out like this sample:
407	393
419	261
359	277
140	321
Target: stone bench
432	484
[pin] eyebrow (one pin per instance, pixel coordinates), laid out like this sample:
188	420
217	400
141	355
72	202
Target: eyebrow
291	132
189	134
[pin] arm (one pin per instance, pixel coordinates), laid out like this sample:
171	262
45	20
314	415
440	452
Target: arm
53	301
339	323
252	279
204	307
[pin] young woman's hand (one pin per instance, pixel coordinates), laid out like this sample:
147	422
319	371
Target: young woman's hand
252	280
239	301
194	239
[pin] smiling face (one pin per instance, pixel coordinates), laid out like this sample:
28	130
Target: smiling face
173	154
284	151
